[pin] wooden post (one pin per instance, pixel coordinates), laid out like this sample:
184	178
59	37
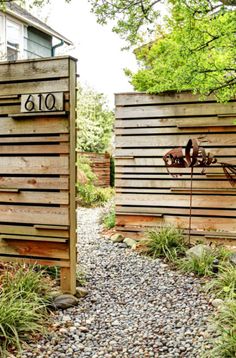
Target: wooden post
68	275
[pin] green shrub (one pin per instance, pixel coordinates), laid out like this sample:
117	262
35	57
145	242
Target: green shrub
109	221
201	266
90	196
204	264
224	285
26	280
84	164
225	321
167	242
24	296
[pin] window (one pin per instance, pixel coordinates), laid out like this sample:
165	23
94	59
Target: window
14	38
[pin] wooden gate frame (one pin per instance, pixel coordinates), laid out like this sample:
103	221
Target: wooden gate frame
17	81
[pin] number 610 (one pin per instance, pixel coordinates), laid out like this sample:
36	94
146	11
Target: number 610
39	102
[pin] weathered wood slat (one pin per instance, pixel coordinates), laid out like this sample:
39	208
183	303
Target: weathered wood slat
34	215
195	122
61	85
15	229
34	248
133	98
173	130
32	238
43	125
204	212
221	139
62	148
172	182
34	70
34	139
211	201
33	183
137	163
177	110
159	152
177	190
35	197
155	170
198	223
34	165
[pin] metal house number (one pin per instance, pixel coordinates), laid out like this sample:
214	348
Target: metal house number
42	102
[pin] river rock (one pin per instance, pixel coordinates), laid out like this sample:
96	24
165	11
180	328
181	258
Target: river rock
64	301
130	243
81	292
198	251
117	238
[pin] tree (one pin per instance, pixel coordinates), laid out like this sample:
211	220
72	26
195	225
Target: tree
193	48
95	121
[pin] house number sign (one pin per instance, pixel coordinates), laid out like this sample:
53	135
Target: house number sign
42	102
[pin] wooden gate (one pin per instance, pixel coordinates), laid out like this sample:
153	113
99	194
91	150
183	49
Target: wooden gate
147	127
37	164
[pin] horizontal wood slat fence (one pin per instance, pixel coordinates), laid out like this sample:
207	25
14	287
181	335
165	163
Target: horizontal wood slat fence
37	166
147	127
100	164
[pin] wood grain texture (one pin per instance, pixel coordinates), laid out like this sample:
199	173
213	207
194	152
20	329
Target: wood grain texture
147	126
37	166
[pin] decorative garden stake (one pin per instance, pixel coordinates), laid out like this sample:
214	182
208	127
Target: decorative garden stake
195	156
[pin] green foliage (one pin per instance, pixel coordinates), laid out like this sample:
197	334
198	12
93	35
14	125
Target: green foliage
167	242
224	285
191	48
27	281
109	221
195	50
84	164
24	295
80	277
90	195
203	265
225	321
94	121
133	20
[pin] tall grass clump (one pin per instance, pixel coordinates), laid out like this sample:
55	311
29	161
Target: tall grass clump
224	284
109	220
24	296
166	242
90	195
203	265
225	322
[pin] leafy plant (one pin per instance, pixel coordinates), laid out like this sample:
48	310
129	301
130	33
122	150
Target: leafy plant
225	321
90	195
224	285
109	221
203	265
94	120
167	242
24	296
20	317
80	277
84	164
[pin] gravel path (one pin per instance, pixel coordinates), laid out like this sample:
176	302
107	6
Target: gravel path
136	307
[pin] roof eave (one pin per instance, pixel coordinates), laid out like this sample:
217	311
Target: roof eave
39	27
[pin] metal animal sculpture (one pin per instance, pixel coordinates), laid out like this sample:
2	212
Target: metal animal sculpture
195	156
